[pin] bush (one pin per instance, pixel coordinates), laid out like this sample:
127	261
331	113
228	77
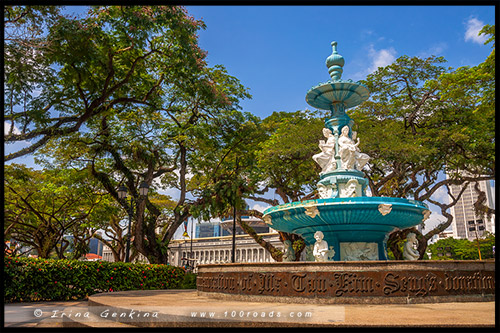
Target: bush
32	280
189	281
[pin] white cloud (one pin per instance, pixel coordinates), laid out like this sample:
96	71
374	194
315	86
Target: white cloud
381	58
473	26
375	59
435	49
260	208
7	126
433	221
441	195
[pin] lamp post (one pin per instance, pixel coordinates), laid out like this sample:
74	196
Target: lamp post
122	194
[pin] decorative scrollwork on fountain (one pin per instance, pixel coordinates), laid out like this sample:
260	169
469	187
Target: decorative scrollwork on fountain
311	211
384	209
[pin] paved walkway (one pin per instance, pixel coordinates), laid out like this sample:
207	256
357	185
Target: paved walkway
186	308
36	313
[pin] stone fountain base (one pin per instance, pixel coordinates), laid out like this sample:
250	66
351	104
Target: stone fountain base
351	282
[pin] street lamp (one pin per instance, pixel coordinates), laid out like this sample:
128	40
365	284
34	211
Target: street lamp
122	194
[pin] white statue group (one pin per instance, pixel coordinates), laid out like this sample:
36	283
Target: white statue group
342	152
322	252
347	150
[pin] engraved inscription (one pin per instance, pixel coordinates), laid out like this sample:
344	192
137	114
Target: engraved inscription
350	283
419	286
472	282
298	282
268	283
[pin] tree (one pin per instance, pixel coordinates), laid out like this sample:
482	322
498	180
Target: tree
225	170
41	207
250	157
463	249
285	163
115	231
147	139
444	123
116	58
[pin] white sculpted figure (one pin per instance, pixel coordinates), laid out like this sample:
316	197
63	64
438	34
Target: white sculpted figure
359	251
325	191
325	159
410	250
350	188
349	152
320	249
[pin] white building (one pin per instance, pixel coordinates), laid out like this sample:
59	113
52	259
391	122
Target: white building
213	244
442	235
215	250
465	222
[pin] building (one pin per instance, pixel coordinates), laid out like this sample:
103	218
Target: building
213	243
466	224
216	250
442	235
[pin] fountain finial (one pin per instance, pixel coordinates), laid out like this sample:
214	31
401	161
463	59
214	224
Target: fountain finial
335	62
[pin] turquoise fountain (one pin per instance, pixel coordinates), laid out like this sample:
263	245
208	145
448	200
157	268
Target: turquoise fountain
346	234
346	223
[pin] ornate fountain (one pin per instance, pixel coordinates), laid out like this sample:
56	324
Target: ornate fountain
354	226
346	233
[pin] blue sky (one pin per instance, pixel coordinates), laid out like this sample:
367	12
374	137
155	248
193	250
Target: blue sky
279	52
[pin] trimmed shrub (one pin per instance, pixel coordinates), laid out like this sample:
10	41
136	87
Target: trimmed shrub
32	280
189	281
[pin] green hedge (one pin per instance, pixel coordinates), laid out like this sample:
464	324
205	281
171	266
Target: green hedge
32	280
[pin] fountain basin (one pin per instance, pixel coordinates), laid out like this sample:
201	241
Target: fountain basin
350	93
348	222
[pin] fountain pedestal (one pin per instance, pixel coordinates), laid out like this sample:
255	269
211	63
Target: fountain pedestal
351	282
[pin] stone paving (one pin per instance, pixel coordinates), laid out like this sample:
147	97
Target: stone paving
185	308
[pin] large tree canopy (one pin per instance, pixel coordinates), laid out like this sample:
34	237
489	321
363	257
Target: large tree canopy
41	207
148	92
117	58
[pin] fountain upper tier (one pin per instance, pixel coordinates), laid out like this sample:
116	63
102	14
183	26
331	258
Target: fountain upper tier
336	95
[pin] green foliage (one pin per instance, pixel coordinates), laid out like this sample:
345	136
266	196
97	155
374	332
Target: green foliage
463	249
189	281
43	205
285	156
424	120
136	79
34	280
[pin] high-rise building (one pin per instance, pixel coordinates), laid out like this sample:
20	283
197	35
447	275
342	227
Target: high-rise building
208	229
225	227
466	223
